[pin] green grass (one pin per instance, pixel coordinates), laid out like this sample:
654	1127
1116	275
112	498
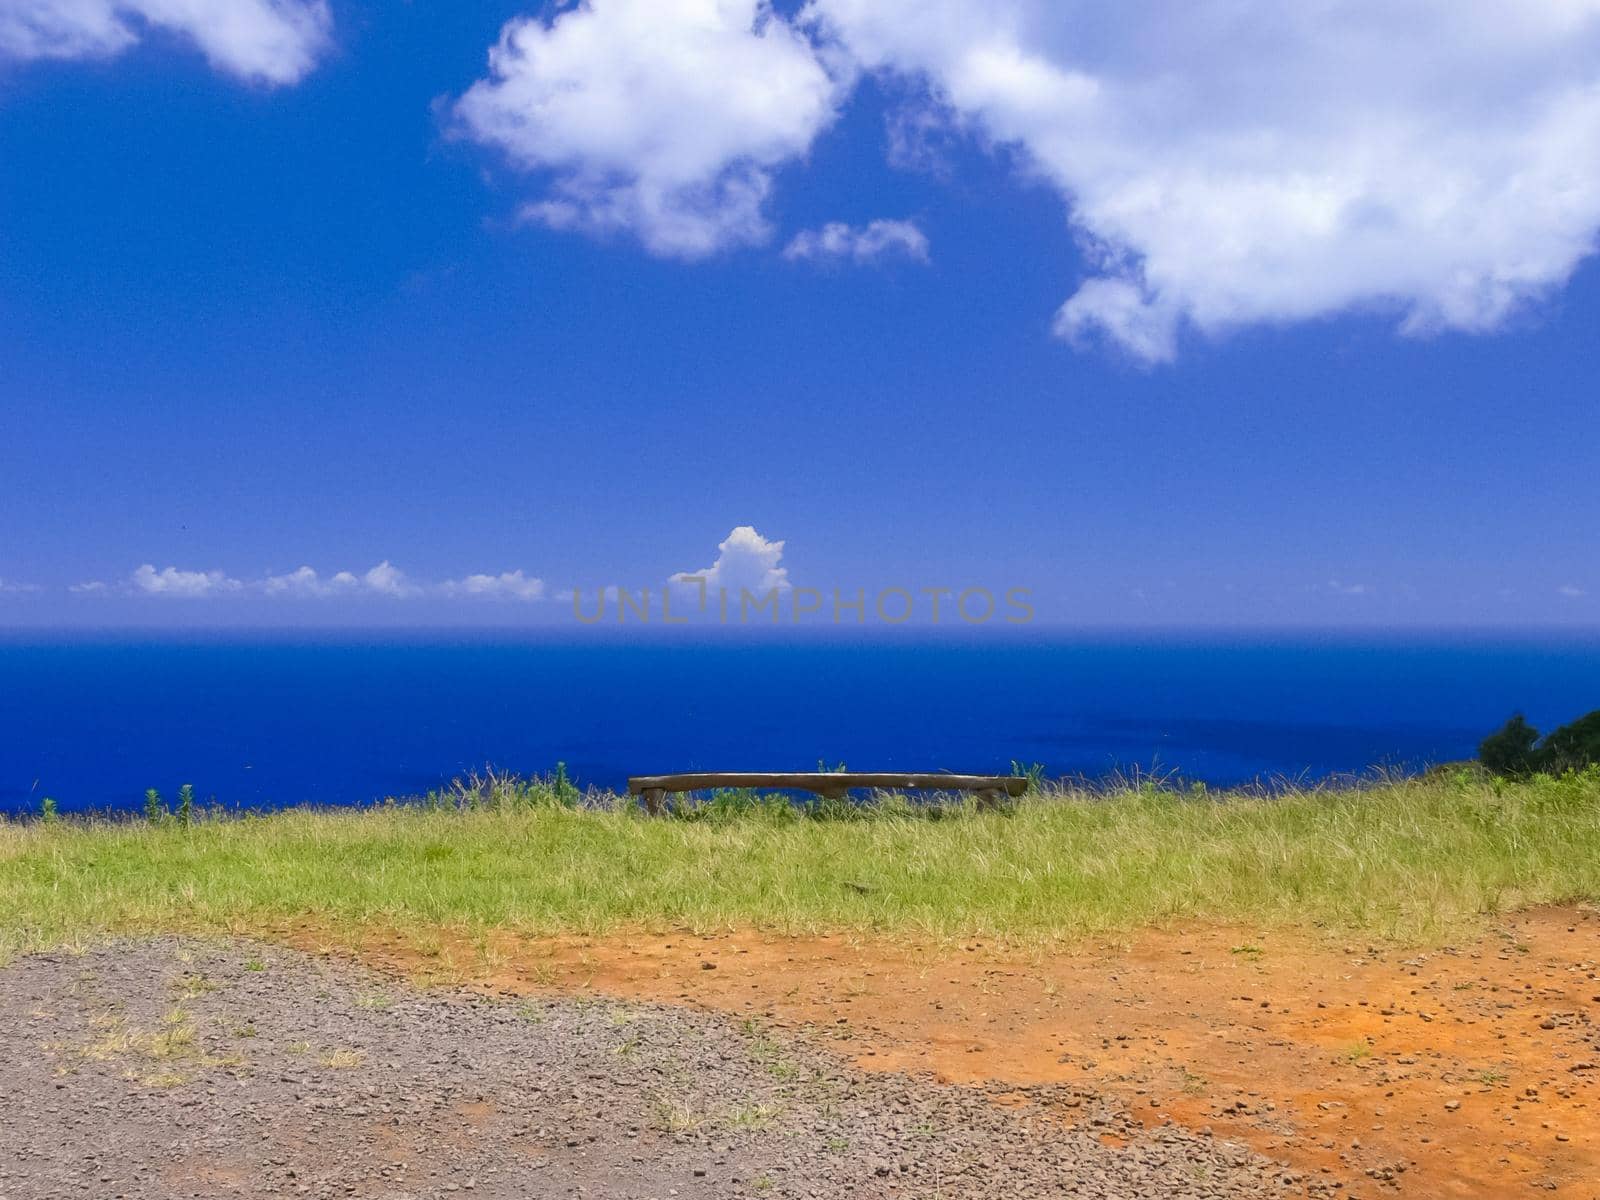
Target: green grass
1418	860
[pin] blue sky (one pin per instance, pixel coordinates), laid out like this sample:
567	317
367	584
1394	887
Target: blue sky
273	296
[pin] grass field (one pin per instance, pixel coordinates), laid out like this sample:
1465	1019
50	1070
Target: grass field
1418	860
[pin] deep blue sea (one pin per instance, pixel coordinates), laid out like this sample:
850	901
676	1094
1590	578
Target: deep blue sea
274	719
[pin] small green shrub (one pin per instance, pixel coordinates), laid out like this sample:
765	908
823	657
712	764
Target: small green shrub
736	804
1032	772
502	791
565	791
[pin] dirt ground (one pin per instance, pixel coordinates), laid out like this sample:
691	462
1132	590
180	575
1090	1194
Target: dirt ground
1471	1071
220	1069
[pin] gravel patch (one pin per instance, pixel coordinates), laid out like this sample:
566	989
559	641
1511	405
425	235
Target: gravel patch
174	1068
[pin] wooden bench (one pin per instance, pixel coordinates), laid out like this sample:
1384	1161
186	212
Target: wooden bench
834	785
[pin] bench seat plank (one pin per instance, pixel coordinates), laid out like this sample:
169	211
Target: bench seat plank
827	782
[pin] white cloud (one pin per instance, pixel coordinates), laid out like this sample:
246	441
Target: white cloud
170	581
1237	162
662	118
90	587
1224	163
508	585
387	580
879	239
306	582
745	560
1348	589
10	587
265	41
1570	591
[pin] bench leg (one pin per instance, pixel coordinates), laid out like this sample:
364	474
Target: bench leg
990	799
653	799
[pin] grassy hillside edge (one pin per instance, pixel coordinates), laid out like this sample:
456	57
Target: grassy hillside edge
1417	860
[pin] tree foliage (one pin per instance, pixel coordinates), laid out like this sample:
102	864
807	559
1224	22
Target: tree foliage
1573	746
1516	749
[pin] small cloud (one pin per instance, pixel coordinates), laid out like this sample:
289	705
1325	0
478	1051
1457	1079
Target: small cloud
306	582
262	41
1338	588
508	585
11	588
923	137
745	560
90	587
386	580
837	241
1123	313
1570	591
1348	589
184	584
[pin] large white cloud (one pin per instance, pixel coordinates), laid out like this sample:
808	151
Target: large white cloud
268	41
1224	163
1231	162
661	118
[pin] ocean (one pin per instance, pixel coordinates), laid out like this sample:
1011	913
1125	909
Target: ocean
266	720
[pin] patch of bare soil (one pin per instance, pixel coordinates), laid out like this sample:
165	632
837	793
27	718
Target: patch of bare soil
154	1070
1471	1071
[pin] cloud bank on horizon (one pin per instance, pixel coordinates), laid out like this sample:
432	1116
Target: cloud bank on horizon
304	583
746	562
1223	163
262	41
745	559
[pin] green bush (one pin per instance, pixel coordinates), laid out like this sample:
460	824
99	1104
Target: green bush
1574	746
1510	750
1516	750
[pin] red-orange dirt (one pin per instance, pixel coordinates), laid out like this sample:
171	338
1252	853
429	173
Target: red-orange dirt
1472	1071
